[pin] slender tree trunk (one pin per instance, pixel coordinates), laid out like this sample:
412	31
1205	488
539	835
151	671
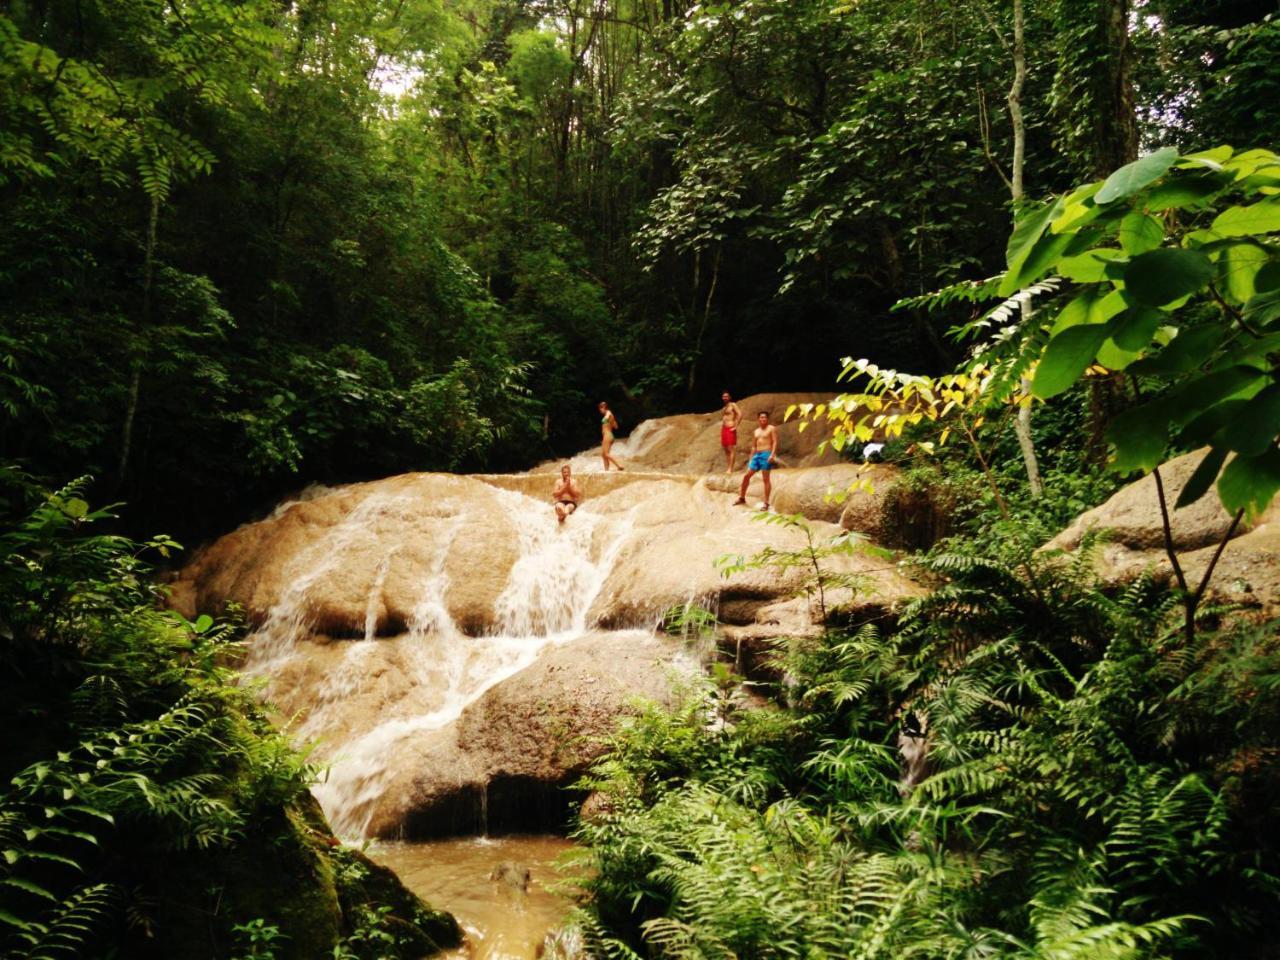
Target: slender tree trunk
706	316
893	264
1022	425
1015	101
139	346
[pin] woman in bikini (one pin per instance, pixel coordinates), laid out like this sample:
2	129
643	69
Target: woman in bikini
608	424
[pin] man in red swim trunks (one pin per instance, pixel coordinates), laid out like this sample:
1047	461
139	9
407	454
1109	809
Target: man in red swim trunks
730	416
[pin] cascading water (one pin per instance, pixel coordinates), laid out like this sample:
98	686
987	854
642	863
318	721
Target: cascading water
557	574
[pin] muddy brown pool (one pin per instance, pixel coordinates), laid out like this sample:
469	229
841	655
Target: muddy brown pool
501	923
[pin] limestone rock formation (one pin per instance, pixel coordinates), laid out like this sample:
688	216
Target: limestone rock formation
502	763
362	560
448	646
1248	571
690	442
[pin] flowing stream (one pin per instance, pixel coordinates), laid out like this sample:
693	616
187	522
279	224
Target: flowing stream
557	574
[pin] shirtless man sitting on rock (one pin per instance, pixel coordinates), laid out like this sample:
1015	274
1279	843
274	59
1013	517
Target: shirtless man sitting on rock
764	450
566	494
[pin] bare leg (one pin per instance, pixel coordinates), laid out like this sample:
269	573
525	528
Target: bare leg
605	447
742	494
730	454
767	490
560	512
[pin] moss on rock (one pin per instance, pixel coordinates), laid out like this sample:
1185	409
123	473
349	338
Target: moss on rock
372	894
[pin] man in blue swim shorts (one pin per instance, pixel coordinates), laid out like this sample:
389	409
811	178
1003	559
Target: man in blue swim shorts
764	448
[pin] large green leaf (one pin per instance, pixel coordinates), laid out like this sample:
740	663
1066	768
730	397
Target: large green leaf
1249	483
1203	428
1188	350
1184	191
1067	357
1268	278
1037	262
1162	276
1253	429
1197	394
1201	480
1078	208
1136	329
1076	310
1132	177
1115	357
1139	436
1254	353
1094	305
1263	309
1240	264
1213	158
1140	232
1255	219
1029	228
1090	266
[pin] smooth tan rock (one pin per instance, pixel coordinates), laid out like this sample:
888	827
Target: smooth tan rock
690	443
426	631
362	556
1247	573
361	559
681	542
1132	515
516	746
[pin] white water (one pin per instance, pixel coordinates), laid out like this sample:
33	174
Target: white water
557	575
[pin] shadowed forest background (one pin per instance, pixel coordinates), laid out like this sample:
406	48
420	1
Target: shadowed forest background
248	244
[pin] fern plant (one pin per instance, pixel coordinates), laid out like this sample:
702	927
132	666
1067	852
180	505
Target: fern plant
1075	801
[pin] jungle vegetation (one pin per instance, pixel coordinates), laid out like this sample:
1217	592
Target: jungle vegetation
247	245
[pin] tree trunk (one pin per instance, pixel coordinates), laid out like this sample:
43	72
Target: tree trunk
1015	101
706	316
1022	425
139	345
1116	137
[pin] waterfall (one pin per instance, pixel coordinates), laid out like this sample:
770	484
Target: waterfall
558	572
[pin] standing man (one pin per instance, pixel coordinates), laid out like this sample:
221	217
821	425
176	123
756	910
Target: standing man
764	447
730	417
565	494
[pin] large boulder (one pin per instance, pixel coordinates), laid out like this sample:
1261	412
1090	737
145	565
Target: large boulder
1246	573
690	442
1133	519
682	540
356	560
398	555
502	764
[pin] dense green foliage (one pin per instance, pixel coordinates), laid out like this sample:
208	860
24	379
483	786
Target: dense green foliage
1093	787
151	809
251	244
336	239
1028	765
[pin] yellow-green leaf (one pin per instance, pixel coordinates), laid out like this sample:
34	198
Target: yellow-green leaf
1257	218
